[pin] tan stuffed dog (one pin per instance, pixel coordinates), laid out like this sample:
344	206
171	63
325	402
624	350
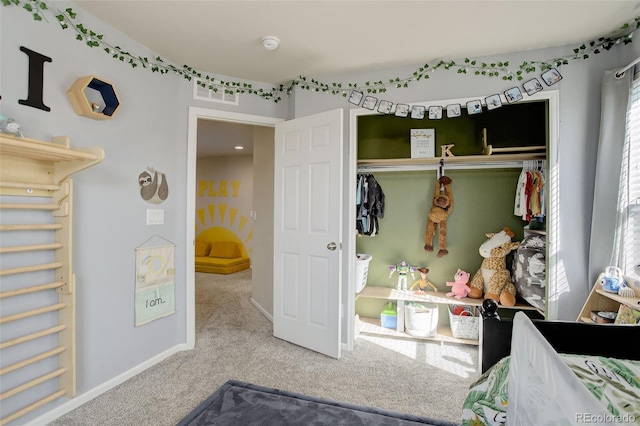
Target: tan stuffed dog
440	211
493	279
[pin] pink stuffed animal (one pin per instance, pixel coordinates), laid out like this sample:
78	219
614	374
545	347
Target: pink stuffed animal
459	287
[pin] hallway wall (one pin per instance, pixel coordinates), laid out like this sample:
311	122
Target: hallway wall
224	198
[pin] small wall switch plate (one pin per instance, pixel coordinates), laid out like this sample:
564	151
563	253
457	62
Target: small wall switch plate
155	216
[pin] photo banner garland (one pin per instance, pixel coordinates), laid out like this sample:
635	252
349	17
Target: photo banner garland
155	280
435	112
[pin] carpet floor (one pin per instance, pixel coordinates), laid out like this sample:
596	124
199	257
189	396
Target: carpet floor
234	341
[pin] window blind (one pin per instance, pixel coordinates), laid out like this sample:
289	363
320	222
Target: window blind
628	227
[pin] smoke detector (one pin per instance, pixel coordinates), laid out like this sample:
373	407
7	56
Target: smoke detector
270	42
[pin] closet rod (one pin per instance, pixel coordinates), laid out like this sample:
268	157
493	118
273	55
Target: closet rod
33	247
32	407
33	312
32	289
44	355
32	336
449	166
32	383
31	268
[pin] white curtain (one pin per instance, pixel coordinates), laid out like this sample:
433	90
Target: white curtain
616	89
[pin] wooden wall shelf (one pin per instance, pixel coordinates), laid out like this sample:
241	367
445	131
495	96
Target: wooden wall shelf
35	168
600	300
391	293
82	106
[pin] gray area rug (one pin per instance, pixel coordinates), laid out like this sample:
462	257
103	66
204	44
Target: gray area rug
240	403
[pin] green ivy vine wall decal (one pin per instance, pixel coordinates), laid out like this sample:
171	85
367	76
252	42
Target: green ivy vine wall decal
67	19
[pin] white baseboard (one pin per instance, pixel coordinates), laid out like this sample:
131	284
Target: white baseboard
81	399
261	309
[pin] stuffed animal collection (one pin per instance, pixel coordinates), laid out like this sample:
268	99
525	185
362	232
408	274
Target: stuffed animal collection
491	281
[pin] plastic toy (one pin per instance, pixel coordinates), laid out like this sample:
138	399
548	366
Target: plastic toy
612	280
402	268
459	287
423	282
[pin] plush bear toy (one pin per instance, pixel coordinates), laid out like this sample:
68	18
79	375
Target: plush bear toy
440	211
493	279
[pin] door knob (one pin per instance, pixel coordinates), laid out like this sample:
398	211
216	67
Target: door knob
331	246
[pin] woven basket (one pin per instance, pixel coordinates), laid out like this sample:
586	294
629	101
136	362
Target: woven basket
462	326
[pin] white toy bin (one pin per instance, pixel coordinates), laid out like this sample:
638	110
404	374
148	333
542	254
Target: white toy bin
420	319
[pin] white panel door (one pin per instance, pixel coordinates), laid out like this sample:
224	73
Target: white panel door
307	232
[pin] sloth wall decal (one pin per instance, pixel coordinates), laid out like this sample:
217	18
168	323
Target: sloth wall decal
153	186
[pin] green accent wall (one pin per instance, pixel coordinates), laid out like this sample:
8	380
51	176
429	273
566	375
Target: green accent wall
520	124
483	202
483	198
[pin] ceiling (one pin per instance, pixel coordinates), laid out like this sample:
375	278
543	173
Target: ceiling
322	38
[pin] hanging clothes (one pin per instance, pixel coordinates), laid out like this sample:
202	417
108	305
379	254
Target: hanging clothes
369	205
530	192
519	206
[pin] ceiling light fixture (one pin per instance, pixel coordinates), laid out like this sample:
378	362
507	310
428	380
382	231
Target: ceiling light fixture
239	147
270	42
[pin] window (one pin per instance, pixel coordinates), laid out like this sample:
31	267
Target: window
628	226
220	96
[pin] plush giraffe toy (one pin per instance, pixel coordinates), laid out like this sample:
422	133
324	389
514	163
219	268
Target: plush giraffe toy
493	279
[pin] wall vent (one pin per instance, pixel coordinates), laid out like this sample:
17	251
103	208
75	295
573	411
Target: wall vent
219	96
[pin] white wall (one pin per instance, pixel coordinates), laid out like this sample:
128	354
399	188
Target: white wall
109	212
263	158
579	125
149	129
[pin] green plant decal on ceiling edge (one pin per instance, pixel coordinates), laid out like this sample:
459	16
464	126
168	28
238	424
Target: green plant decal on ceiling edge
67	19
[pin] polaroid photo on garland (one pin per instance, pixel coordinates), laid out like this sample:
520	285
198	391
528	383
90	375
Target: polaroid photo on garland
402	110
551	77
513	95
493	102
355	97
417	112
370	102
384	107
532	86
454	110
474	107
435	112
